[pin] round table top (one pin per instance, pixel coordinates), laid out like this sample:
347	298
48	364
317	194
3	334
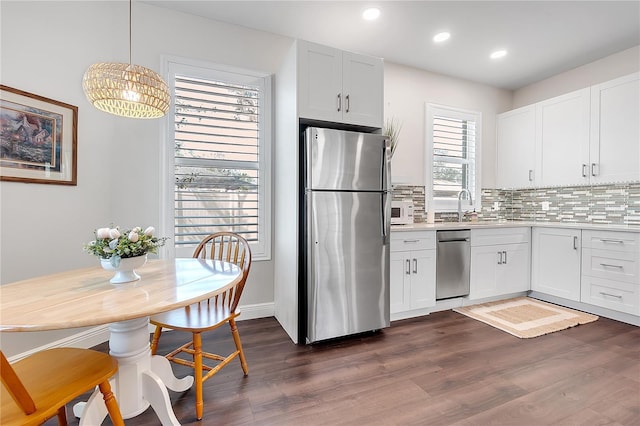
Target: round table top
85	297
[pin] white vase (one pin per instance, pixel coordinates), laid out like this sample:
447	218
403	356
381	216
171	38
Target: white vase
125	271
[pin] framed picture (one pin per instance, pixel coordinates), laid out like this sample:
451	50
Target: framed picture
38	138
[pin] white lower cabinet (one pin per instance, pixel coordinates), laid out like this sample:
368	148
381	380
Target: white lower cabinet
500	260
555	263
611	270
413	271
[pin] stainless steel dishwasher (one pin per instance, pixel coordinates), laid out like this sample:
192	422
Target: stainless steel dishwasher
452	263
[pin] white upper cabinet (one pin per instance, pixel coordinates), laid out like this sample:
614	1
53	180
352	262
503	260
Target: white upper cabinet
590	136
339	86
516	160
615	130
563	139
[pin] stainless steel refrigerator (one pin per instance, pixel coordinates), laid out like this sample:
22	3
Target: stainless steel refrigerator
346	232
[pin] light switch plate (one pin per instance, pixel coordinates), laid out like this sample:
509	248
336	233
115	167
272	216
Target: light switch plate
544	205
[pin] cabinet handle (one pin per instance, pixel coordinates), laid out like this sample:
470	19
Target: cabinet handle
415	265
584	168
408	270
505	257
530	175
606	240
339	102
347	103
593	169
410	241
575	243
612	266
612	295
500	258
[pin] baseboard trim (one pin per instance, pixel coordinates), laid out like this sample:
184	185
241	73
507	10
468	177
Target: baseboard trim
585	307
100	334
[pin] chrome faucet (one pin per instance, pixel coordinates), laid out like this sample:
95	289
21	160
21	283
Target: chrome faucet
465	190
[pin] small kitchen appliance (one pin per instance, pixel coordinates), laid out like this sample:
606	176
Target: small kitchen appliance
401	212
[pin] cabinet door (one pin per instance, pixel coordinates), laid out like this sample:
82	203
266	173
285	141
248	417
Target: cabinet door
423	279
556	262
516	151
400	275
513	273
362	89
563	138
615	130
484	271
319	82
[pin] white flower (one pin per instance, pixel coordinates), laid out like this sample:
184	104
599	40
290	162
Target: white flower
133	236
137	229
149	231
102	233
114	233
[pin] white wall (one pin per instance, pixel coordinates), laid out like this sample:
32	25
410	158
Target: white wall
607	68
45	49
407	89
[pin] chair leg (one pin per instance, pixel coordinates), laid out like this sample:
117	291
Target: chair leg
112	405
197	360
62	416
155	339
236	339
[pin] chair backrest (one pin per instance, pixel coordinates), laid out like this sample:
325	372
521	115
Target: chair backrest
15	386
228	247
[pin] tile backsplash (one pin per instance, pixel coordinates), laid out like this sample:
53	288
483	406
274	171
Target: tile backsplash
614	203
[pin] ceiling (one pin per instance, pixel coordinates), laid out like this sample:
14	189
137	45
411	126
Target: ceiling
543	38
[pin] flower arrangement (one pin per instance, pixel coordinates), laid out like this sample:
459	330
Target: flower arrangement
111	243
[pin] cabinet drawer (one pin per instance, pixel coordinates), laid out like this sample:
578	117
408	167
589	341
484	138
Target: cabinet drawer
420	240
612	265
619	296
627	242
488	237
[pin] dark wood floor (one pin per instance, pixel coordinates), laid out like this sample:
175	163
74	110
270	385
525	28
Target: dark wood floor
440	369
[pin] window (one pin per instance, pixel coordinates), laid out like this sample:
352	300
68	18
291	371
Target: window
219	136
453	141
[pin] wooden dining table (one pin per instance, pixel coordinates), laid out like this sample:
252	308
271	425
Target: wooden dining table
85	297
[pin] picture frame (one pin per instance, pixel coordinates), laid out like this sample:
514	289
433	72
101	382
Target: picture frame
38	138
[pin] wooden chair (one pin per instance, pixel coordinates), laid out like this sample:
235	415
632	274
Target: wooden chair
38	387
209	314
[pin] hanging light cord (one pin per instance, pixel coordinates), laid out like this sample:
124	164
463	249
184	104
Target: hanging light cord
130	2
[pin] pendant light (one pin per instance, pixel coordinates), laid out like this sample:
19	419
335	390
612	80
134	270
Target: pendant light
126	90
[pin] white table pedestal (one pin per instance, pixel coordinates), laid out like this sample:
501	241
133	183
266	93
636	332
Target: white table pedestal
142	379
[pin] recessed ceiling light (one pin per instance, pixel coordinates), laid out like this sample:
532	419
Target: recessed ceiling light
371	14
440	37
498	54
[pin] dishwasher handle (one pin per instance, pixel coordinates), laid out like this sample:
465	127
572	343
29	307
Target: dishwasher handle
454	240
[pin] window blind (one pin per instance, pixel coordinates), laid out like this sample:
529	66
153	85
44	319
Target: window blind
217	127
453	156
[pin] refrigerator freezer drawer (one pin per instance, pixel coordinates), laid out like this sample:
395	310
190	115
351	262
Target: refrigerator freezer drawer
347	264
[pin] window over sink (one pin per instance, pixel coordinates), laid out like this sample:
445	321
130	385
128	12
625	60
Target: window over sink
452	157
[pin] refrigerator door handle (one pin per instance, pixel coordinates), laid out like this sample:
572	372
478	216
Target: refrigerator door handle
383	215
386	165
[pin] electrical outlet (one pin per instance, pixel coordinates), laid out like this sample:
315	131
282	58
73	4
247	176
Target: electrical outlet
545	206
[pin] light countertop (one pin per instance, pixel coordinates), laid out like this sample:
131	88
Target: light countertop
511	224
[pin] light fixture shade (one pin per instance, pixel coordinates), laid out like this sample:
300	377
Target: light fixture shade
127	90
